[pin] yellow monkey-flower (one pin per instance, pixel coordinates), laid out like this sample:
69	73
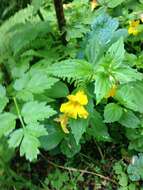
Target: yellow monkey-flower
75	106
133	27
63	119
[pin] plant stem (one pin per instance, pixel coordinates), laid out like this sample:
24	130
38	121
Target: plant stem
80	170
61	19
18	112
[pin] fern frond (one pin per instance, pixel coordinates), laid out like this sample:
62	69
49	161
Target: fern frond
72	70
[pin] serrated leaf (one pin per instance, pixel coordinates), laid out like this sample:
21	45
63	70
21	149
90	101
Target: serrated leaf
127	74
33	83
102	86
117	51
35	111
29	147
78	127
111	3
130	95
129	119
16	138
7	123
98	129
75	69
36	130
112	112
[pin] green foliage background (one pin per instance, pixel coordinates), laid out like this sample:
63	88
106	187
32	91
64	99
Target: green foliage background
37	72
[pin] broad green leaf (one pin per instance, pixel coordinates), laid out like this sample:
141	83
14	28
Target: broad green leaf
117	51
112	112
58	90
98	129
7	123
75	69
102	86
35	111
127	74
16	138
78	127
29	147
135	168
69	146
129	119
53	138
131	95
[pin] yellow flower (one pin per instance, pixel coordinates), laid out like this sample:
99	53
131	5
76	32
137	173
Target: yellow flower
94	4
112	91
75	106
133	27
63	119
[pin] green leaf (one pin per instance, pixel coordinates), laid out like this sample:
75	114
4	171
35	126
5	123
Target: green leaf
130	95
53	138
35	111
69	146
30	143
16	138
75	69
78	127
58	90
3	99
29	147
102	86
129	119
112	112
111	3
98	129
135	169
33	83
7	123
127	74
117	51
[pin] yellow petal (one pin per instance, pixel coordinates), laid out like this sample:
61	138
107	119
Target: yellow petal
63	119
69	109
80	97
112	92
94	4
82	113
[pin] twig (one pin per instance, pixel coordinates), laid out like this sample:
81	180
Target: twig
80	170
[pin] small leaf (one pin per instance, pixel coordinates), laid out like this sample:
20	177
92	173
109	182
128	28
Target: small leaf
98	129
69	146
35	111
53	138
112	112
78	127
129	119
16	138
29	147
7	123
117	51
102	86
